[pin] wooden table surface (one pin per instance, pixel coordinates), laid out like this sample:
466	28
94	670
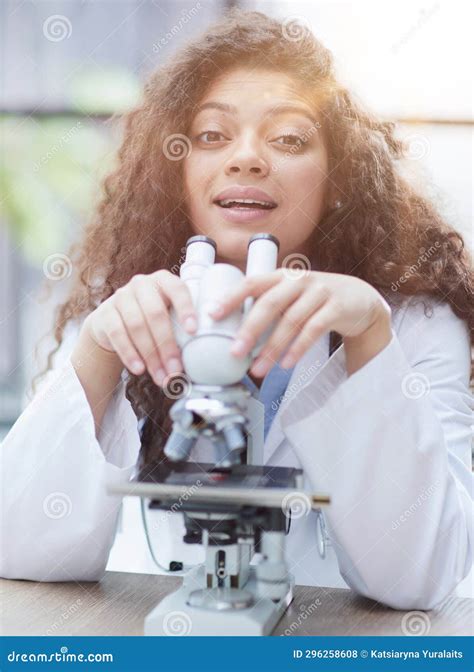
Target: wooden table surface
118	604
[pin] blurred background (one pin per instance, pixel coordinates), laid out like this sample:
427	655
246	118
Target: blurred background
68	65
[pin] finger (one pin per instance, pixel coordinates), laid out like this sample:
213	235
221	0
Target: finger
135	323
156	315
270	306
116	333
176	293
251	286
315	327
290	325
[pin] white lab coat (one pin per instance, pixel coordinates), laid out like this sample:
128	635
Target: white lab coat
391	444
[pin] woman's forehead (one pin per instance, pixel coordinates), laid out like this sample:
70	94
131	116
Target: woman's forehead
263	92
267	83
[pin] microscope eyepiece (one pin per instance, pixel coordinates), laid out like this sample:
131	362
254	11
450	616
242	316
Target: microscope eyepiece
201	239
264	236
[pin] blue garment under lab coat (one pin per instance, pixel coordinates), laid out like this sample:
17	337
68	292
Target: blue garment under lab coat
271	391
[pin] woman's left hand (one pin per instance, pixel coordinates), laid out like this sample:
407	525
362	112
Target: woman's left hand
304	305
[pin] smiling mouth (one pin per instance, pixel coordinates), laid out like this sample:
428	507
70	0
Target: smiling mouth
245	204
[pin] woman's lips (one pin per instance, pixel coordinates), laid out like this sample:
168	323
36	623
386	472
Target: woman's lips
243	214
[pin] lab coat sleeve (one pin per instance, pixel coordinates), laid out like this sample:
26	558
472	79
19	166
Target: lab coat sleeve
57	522
392	445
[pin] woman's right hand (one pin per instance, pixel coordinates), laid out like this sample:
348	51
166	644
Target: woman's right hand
135	323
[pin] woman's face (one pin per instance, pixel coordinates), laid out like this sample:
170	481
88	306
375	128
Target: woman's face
255	130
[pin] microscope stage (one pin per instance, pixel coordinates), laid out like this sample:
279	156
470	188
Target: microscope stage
194	485
238	476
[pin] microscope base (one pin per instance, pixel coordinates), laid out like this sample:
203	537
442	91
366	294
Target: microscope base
174	616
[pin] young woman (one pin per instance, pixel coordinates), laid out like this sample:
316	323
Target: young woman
365	377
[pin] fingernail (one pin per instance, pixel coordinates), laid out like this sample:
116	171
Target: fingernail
215	308
260	367
190	324
238	347
173	365
159	376
136	366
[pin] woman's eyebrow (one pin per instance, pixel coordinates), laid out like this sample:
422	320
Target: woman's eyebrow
282	108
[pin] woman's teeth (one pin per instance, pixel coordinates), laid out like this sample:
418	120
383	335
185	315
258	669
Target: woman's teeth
245	203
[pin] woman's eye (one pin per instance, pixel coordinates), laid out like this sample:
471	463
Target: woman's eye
212	136
292	140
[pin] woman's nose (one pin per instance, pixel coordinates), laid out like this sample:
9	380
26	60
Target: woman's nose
247	161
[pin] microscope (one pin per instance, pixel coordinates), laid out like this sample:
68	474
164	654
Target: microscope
236	507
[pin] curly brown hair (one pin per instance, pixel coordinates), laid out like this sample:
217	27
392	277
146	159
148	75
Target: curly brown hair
378	234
